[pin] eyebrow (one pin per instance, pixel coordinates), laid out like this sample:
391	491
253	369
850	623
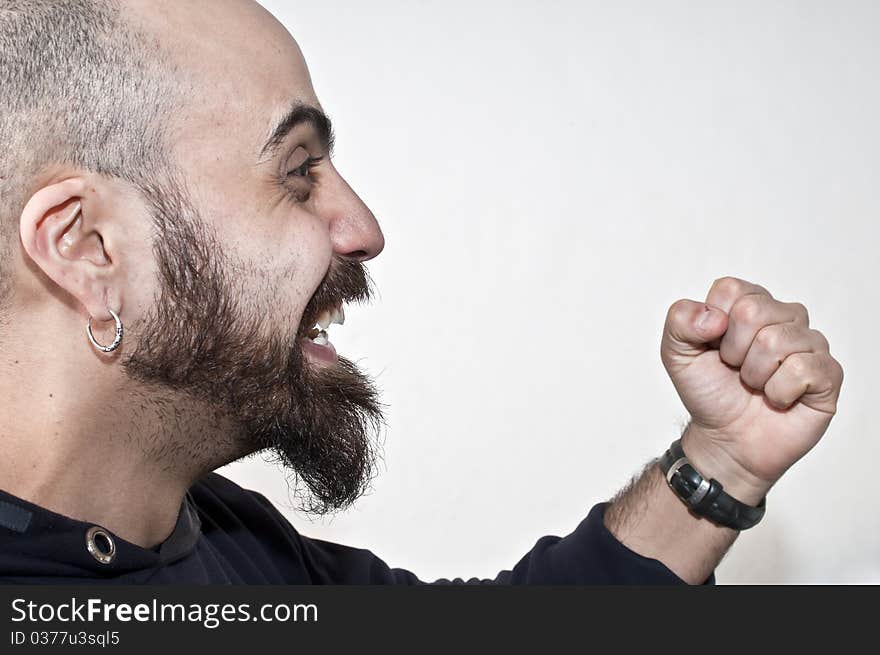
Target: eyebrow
298	114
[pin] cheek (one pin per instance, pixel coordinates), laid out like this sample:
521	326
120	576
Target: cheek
308	251
282	255
297	265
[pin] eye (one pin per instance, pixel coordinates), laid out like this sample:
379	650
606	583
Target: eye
295	178
303	169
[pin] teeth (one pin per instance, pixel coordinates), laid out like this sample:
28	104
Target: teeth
321	339
329	316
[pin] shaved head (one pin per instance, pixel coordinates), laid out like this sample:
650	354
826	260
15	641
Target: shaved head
81	87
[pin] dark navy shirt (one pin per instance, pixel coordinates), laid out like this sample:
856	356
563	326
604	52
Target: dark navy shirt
229	535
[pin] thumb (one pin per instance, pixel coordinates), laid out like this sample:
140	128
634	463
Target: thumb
691	328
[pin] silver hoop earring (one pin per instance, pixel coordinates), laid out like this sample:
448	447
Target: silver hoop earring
113	346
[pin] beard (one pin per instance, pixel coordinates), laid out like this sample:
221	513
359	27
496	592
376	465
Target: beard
213	341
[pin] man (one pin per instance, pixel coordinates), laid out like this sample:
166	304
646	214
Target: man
176	241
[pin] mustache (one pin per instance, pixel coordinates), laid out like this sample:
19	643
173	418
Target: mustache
346	281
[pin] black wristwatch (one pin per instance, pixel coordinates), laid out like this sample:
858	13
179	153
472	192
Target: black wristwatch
707	497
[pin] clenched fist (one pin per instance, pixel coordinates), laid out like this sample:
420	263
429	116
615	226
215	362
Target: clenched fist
760	385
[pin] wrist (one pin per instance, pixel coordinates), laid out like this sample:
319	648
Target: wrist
652	521
712	461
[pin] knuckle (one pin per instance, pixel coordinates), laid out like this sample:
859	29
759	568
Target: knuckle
802	311
837	371
770	338
747	310
798	364
728	284
821	340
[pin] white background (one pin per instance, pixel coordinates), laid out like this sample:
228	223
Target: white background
550	177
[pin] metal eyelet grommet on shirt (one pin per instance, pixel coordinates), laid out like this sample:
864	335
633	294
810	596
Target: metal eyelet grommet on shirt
100	544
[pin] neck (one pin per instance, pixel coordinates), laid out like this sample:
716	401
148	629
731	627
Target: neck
82	440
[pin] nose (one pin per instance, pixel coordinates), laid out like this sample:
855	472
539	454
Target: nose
354	230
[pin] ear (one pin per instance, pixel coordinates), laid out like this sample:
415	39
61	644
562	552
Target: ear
61	232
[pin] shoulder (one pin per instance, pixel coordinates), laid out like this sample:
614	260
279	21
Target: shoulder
231	513
215	488
221	501
249	532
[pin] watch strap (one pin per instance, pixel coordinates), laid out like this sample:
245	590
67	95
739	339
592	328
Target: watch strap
707	497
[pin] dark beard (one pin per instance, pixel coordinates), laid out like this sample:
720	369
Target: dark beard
204	341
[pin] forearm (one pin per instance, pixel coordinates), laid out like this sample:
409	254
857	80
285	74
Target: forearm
651	520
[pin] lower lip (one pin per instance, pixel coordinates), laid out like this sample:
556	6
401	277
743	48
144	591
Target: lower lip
318	354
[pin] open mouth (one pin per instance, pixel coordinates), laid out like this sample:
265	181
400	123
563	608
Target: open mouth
316	342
